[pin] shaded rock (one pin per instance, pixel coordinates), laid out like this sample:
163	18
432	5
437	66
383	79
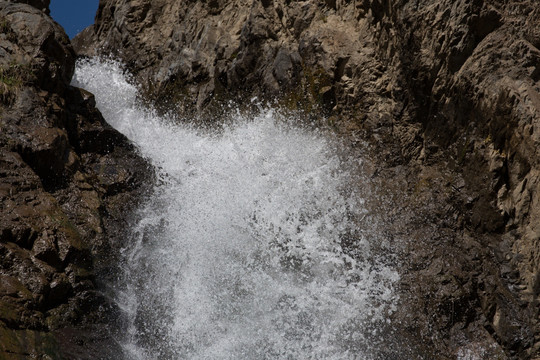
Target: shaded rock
42	5
45	249
21	344
55	231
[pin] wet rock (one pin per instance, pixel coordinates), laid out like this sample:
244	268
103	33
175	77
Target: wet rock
45	249
20	344
445	92
60	289
55	231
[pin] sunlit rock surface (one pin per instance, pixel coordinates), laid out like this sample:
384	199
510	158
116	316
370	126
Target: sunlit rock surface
446	92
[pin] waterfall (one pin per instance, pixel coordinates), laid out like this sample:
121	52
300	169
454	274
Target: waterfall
255	242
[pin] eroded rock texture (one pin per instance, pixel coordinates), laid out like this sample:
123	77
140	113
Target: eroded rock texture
448	94
66	178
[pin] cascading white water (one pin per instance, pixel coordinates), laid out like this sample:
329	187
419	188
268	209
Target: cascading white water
254	244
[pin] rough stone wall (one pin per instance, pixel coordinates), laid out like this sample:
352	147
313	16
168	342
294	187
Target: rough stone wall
201	52
66	181
472	70
446	92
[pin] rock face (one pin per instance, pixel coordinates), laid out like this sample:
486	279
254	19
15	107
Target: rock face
448	94
66	181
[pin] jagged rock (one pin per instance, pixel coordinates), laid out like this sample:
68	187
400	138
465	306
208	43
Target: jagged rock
42	5
55	231
446	92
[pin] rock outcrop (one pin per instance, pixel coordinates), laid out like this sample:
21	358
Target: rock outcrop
67	180
446	92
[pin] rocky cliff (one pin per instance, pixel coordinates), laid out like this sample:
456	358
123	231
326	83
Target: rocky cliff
66	181
446	92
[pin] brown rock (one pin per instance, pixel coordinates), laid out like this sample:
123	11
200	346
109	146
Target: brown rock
446	92
54	227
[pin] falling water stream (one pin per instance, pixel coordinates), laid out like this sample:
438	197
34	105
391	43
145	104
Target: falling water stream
255	242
